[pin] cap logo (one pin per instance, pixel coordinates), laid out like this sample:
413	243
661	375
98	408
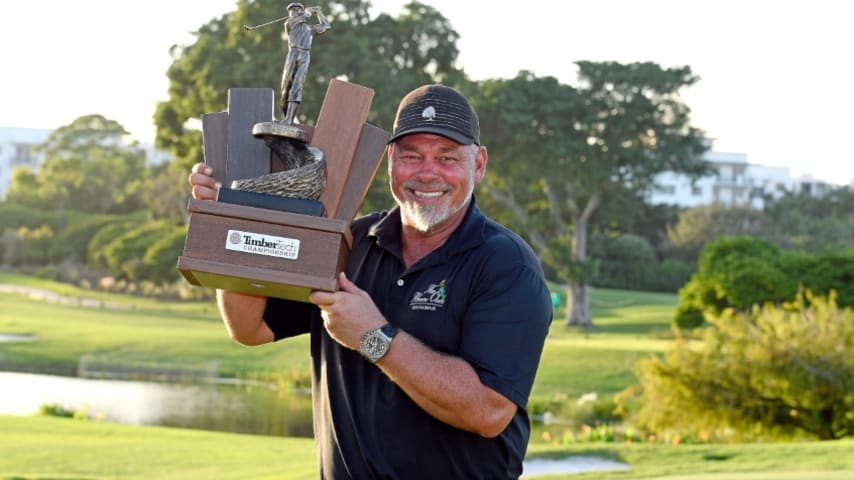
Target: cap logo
429	113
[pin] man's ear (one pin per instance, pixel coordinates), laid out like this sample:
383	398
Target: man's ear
480	162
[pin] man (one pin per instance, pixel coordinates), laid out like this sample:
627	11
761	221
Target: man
300	34
424	359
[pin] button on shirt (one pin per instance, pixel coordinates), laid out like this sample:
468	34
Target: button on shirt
480	296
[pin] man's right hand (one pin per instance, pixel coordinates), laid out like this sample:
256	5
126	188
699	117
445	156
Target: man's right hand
204	185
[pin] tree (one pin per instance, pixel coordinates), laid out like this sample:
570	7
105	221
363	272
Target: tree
803	221
741	272
389	55
88	167
700	225
563	153
768	370
24	188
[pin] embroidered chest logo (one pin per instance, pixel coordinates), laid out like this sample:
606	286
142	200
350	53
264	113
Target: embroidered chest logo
430	299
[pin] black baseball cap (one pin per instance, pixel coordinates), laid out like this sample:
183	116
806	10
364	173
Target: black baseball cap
437	109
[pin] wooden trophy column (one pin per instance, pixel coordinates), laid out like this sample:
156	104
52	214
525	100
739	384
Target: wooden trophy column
277	253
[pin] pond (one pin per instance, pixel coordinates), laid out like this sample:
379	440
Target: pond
574	464
206	406
252	409
12	337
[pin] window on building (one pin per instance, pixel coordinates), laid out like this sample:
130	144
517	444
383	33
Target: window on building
23	155
668	189
696	191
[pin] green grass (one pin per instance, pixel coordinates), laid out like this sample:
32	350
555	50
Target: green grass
600	360
173	333
802	460
629	325
53	448
151	333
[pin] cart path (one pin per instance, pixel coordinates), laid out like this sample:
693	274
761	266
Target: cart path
53	297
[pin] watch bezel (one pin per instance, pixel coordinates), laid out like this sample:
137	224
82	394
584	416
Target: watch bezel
375	343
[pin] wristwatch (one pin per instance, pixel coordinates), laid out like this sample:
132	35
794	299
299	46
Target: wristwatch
375	343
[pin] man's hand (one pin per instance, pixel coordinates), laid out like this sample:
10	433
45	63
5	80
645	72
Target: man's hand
204	185
348	313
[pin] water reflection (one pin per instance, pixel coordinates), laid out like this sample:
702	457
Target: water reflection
228	408
576	464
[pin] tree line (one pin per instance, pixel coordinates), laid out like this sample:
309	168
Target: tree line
569	165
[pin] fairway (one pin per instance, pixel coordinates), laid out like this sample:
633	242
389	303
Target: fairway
54	448
780	475
629	325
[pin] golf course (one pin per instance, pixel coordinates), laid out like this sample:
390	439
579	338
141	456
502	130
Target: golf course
134	334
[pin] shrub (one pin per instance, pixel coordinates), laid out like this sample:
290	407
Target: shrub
161	256
629	262
669	275
55	410
822	272
688	317
771	370
33	245
740	272
97	248
125	254
625	261
14	216
73	241
744	271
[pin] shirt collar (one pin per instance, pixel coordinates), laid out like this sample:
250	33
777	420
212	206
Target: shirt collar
468	234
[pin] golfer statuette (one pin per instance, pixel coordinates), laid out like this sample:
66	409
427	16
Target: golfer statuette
281	227
304	166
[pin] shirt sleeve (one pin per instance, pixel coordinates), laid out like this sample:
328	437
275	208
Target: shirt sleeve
287	318
507	322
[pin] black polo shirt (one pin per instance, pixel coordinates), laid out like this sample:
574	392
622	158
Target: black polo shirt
480	296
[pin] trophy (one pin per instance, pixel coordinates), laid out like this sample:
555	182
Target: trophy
282	226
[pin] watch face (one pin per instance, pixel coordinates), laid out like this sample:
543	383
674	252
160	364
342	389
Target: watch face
374	345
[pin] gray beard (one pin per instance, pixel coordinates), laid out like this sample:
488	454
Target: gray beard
425	217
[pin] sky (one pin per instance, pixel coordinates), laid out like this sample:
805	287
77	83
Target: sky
776	78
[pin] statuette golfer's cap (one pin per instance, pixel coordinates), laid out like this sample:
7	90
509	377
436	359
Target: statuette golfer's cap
294	5
440	110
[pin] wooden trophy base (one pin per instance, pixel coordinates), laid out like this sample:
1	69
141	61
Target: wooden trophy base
263	252
273	253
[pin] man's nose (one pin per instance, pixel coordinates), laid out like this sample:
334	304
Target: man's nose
428	168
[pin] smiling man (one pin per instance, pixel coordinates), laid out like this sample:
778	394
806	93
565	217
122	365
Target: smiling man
424	359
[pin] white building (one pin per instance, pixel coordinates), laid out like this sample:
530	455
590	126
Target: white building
734	183
17	149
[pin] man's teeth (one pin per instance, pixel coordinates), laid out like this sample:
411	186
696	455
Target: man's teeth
428	194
